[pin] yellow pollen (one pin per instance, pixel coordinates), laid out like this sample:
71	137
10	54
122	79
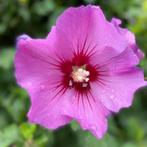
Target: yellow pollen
79	74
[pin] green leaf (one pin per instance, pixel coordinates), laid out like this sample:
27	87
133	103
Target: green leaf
134	129
89	1
43	7
44	139
6	58
27	130
54	16
88	140
2	28
75	126
9	135
129	144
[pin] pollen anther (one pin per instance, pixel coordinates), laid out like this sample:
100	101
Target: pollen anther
79	74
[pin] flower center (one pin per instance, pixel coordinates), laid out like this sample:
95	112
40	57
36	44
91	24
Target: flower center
80	74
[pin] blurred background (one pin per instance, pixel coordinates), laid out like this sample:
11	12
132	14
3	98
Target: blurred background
35	17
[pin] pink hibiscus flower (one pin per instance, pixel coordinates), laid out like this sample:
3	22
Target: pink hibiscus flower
84	70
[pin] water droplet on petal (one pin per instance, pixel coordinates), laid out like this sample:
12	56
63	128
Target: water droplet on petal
29	83
63	110
112	90
93	127
112	97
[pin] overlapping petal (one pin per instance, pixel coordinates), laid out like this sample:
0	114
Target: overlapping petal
36	71
34	63
47	109
89	112
129	36
86	28
118	90
118	80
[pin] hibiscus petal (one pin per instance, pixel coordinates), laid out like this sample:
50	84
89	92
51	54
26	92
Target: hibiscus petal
23	37
59	44
47	109
129	36
137	51
36	71
118	90
86	28
34	63
109	61
127	59
118	79
89	113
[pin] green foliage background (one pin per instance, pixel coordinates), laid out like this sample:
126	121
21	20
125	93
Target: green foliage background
35	17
